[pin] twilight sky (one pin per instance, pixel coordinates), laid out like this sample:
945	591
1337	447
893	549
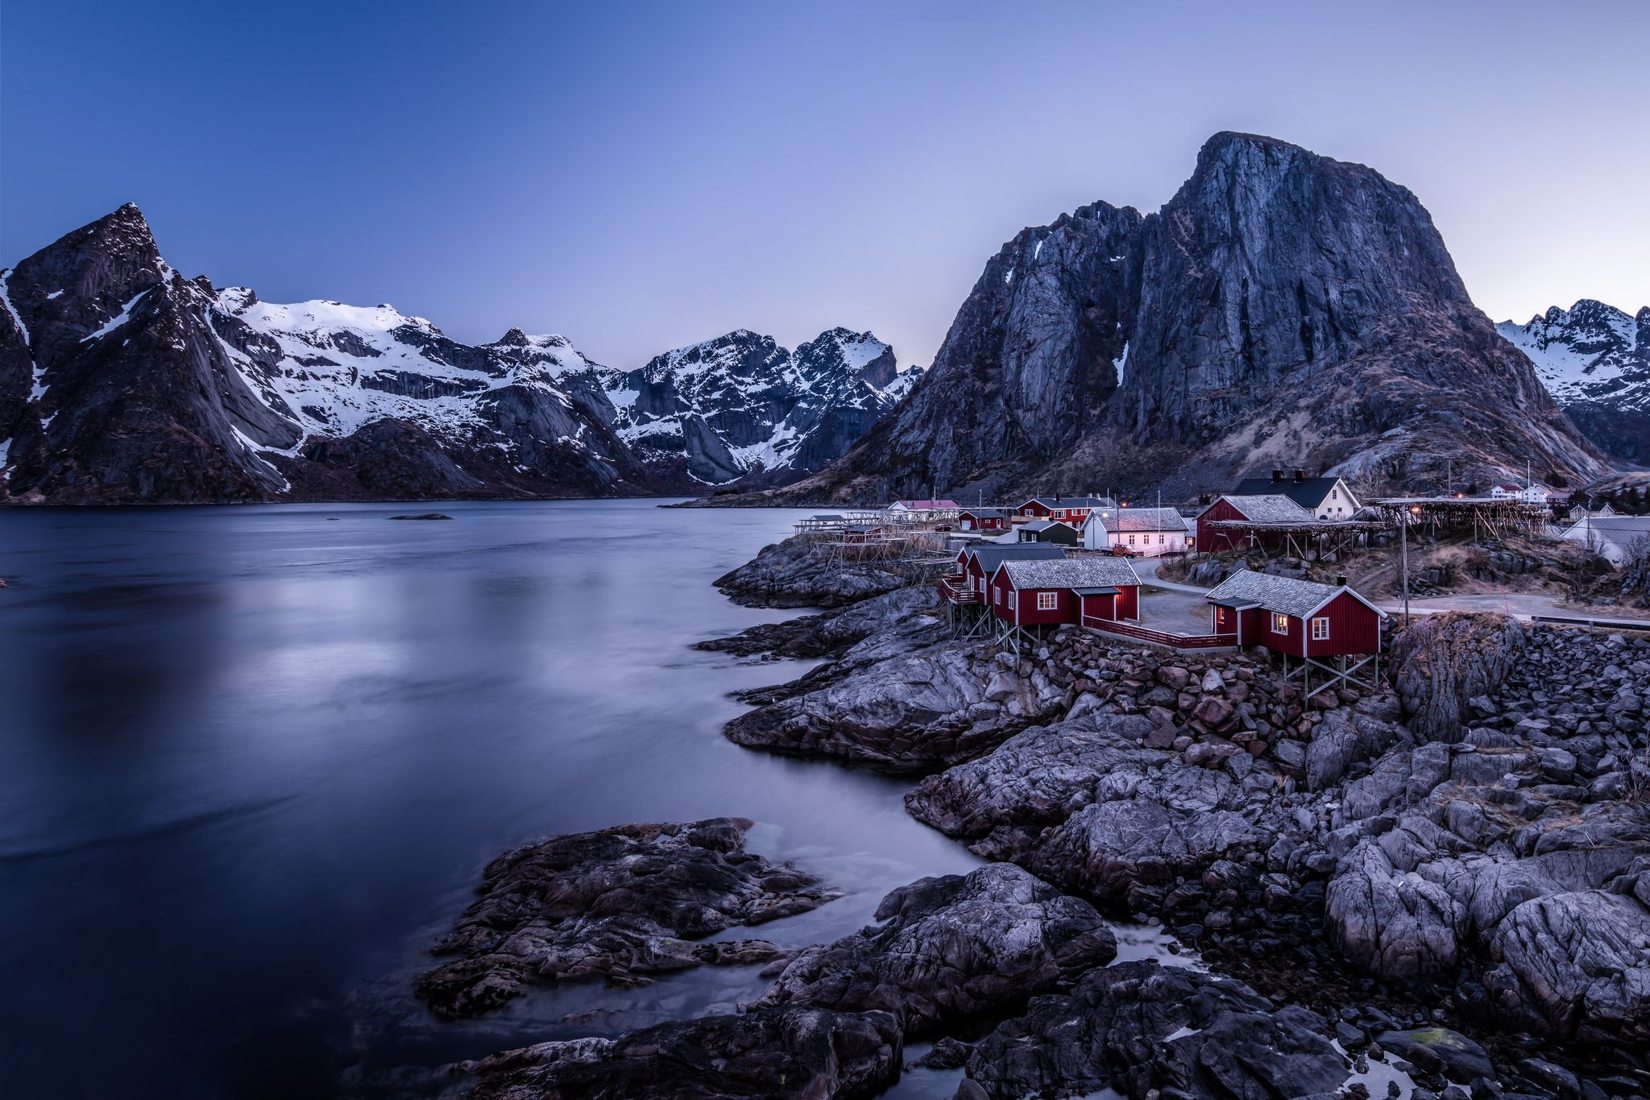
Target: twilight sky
641	176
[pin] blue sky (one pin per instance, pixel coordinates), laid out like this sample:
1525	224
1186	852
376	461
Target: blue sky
640	176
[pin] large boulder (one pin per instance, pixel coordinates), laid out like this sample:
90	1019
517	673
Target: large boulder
1440	662
950	948
1149	1030
619	904
914	712
799	572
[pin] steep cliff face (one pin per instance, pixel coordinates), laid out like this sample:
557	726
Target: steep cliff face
1281	308
129	390
1595	360
122	382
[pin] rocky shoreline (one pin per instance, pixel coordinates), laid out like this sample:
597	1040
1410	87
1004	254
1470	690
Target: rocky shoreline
1448	878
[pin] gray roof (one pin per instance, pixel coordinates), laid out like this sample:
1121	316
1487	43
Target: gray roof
1269	509
1308	492
984	513
1621	530
1074	502
1144	519
1285	594
1094	572
1043	525
994	555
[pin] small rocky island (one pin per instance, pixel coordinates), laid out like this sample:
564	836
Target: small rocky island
1448	877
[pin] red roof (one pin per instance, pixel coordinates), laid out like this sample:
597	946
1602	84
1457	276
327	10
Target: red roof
929	505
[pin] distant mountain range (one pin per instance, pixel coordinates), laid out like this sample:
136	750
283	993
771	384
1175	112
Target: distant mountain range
1595	360
1281	310
121	381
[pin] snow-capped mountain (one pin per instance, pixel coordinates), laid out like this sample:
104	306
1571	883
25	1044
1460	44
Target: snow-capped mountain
122	381
1595	360
743	407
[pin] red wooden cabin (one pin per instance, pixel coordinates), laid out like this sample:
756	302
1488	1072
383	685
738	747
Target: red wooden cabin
1299	618
1050	592
983	519
975	564
1071	510
1257	509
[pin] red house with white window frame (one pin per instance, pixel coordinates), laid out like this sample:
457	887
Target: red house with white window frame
983	519
1255	509
1302	619
1071	510
1035	594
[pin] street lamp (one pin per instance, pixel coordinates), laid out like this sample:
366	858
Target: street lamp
1403	548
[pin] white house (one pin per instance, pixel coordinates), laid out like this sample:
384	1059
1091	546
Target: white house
1147	531
1535	494
1611	537
1324	497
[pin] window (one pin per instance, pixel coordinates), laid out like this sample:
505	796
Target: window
1160	539
1320	629
1280	623
1048	601
1131	540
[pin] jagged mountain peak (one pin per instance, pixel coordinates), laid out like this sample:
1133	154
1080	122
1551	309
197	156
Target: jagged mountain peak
1595	360
1282	308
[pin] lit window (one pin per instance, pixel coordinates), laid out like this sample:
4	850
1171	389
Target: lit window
1048	601
1280	623
1320	630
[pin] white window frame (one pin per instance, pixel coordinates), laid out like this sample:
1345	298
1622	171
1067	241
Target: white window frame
1280	623
1048	601
1323	622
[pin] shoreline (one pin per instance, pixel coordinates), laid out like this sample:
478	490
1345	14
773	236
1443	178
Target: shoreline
1246	884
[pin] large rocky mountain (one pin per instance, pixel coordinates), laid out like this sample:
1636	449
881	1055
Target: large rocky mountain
1282	309
743	408
1595	360
122	381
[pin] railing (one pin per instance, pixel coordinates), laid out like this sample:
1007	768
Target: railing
953	590
1160	637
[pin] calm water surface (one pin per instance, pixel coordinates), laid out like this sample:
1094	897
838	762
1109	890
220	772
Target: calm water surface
253	759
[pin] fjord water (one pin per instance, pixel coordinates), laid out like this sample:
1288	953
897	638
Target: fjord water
252	760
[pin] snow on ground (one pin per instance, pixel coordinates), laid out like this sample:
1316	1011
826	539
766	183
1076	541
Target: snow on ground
117	320
1121	362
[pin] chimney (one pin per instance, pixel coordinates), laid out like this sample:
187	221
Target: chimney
1277	475
1300	474
1340	580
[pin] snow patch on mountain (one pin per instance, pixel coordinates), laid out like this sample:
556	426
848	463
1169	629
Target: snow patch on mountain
1589	352
742	405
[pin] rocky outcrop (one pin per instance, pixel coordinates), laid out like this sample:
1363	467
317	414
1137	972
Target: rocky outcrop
1282	309
799	572
1441	662
1146	1030
619	904
913	712
800	1053
951	948
903	617
1510	863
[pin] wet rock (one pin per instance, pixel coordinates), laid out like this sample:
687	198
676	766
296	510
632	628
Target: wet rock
801	573
620	904
1145	1029
950	948
914	712
805	1053
1441	1050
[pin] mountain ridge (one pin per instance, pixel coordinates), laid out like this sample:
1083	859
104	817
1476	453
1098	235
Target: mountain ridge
122	382
1282	308
1595	360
